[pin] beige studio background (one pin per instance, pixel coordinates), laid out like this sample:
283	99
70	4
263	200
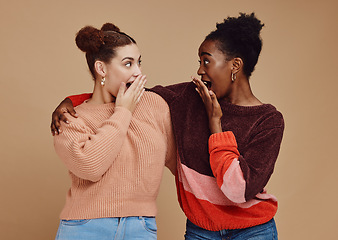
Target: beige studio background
40	65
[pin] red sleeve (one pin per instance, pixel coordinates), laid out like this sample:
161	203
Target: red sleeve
224	162
80	98
242	176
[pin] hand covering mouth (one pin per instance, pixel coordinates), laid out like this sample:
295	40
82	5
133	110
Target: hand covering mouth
128	84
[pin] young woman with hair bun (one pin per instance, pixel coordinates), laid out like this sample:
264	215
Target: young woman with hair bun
116	148
225	163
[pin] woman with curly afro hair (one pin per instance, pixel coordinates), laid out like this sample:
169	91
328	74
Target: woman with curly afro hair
228	199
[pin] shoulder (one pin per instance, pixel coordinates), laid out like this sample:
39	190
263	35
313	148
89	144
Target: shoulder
76	124
172	92
154	107
152	100
270	119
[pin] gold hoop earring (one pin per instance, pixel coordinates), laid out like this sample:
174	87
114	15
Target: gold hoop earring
233	77
103	81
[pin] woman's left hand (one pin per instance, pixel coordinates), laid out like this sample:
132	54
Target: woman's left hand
211	105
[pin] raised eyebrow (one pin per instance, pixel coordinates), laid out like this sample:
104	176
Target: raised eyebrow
129	58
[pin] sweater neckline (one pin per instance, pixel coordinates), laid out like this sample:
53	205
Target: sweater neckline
245	110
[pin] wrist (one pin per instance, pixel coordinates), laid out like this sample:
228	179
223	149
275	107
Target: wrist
215	126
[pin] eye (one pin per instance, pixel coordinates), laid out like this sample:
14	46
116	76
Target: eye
128	64
139	62
205	61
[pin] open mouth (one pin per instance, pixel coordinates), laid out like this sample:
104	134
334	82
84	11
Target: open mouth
128	84
207	84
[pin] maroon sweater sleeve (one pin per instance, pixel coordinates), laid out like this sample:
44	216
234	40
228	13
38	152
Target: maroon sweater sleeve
80	98
242	176
260	155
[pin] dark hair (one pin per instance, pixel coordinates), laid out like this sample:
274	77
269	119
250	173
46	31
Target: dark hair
239	37
101	44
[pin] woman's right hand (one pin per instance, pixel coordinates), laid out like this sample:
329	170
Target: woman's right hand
129	98
211	105
59	115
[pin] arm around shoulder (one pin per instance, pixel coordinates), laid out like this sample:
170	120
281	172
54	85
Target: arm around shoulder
89	155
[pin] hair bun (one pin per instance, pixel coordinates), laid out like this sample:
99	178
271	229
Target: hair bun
251	23
109	27
89	39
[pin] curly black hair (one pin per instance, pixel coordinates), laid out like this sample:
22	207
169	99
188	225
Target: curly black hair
239	37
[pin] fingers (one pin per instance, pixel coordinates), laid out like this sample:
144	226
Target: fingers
121	91
72	112
62	116
140	88
214	100
55	125
140	95
53	129
129	98
201	89
138	83
59	115
137	87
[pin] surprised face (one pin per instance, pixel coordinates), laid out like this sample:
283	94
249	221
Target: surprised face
215	70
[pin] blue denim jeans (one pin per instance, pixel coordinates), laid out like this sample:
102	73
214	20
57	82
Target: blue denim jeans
266	231
108	228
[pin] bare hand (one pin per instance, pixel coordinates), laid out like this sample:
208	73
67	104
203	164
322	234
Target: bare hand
130	97
59	115
211	104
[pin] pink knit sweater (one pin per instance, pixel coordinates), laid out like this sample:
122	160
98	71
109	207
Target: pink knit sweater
116	159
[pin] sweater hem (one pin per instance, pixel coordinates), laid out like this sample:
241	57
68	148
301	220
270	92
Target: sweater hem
210	226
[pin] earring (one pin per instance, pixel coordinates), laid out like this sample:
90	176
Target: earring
103	81
233	77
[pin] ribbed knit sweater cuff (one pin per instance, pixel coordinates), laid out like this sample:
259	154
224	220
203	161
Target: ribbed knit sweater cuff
223	139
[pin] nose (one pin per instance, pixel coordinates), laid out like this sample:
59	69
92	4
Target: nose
137	70
200	70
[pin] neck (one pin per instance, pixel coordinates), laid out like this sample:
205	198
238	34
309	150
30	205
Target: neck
100	95
241	93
